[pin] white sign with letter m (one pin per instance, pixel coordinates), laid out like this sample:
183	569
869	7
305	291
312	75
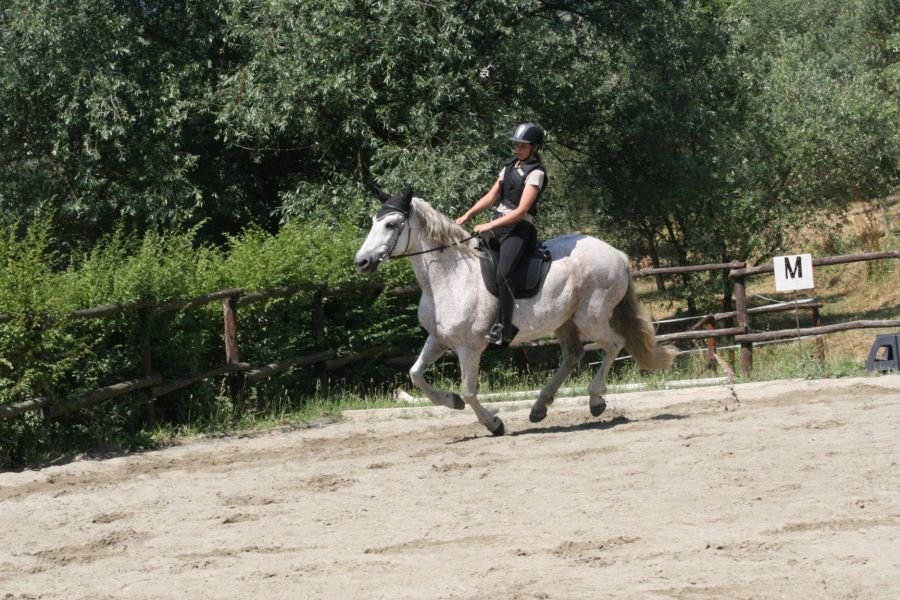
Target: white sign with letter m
793	272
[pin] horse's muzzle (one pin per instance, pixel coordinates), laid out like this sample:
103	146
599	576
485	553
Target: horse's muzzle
367	265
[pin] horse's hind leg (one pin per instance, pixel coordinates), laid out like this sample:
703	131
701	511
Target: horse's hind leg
571	352
431	351
611	343
597	402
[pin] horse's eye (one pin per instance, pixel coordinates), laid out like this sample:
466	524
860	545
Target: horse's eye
390	225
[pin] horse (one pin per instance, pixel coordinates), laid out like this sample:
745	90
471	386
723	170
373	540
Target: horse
588	294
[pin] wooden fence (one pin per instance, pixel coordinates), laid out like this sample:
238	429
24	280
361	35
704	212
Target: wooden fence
239	374
746	338
740	328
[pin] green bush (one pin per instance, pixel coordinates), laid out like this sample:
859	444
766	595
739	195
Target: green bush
43	353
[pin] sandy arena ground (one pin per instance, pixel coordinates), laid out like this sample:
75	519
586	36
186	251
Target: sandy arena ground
764	490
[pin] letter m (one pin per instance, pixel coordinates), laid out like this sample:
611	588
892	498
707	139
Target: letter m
796	271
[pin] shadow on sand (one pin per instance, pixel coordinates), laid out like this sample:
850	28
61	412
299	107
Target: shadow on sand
587	426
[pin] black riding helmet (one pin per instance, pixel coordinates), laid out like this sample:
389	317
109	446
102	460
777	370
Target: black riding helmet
528	133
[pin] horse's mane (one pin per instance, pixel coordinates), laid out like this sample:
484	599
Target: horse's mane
439	228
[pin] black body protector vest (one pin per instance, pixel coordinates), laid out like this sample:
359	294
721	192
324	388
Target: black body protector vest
514	184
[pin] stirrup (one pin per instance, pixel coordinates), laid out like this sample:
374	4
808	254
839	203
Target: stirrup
495	336
500	335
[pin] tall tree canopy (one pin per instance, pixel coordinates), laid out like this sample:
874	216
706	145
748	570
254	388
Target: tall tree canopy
687	130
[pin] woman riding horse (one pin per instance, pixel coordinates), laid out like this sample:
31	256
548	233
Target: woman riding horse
511	231
588	294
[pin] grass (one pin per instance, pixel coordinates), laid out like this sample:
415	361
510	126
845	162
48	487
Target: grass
283	411
268	413
788	361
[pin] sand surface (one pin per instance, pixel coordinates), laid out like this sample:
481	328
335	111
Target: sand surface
763	490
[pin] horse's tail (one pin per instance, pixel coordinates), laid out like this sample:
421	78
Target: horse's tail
631	320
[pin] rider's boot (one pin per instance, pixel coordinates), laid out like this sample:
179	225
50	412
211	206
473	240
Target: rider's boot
503	331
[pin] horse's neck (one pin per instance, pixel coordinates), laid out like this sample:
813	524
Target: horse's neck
449	271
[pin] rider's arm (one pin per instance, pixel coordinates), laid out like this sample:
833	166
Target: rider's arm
529	195
483	203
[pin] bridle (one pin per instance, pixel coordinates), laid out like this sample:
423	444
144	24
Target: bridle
405	226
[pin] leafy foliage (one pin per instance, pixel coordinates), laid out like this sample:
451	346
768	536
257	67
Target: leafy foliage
46	354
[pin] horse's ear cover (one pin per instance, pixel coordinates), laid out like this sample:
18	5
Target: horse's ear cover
399	204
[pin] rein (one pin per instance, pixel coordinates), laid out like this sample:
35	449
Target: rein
405	254
438	249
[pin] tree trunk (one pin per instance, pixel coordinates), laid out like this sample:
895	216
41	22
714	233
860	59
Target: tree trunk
681	251
654	260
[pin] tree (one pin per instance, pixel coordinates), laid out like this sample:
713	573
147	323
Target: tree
727	125
820	123
686	131
105	116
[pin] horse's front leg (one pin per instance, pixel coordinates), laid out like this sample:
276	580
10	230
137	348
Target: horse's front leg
469	361
432	351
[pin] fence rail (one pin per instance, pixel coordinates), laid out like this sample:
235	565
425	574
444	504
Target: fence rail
239	374
688	269
819	262
789	333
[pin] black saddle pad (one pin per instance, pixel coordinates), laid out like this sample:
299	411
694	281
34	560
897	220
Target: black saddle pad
527	279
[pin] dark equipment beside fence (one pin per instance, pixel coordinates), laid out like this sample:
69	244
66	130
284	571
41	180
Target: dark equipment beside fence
890	343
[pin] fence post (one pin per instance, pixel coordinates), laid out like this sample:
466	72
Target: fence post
235	380
318	331
743	321
820	341
147	363
711	344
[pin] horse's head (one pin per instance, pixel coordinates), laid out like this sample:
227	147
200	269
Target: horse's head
390	232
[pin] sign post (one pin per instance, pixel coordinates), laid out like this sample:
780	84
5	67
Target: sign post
794	272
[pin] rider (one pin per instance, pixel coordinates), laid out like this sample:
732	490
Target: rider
511	231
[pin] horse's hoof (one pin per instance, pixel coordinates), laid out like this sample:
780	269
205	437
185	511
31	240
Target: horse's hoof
536	415
458	402
598	408
500	429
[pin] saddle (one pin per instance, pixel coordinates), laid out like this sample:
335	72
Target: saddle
528	277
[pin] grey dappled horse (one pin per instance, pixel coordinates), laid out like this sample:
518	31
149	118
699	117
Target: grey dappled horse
588	294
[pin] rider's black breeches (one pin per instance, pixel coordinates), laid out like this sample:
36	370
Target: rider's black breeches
515	242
